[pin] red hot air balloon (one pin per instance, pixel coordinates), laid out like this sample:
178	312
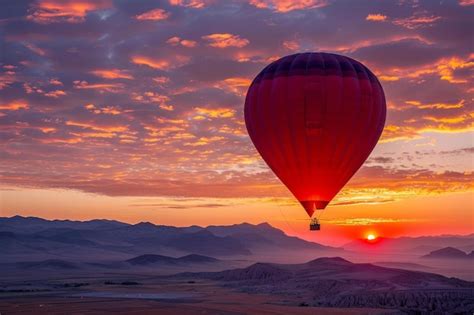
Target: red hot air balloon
315	118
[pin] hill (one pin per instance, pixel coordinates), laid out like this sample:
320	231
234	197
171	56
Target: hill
336	282
448	253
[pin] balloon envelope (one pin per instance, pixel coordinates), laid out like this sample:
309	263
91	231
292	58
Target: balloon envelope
315	118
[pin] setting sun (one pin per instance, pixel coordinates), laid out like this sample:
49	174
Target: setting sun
371	237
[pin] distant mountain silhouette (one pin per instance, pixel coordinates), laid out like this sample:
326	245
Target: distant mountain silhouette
417	245
449	252
336	282
35	239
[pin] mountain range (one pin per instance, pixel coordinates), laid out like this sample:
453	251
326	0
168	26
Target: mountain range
36	239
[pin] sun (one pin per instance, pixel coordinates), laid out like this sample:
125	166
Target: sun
371	237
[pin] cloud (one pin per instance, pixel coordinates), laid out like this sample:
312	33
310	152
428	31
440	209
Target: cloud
466	2
291	45
377	17
60	11
236	85
37	50
161	63
283	6
107	87
14	105
417	21
153	15
178	97
224	40
108	110
55	93
214	112
6	80
195	4
55	82
112	74
175	41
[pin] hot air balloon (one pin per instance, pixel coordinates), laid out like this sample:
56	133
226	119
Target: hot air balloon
315	118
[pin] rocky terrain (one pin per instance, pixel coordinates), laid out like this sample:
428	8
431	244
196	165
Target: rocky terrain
336	282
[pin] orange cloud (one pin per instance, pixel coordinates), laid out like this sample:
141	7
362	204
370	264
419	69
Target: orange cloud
112	74
55	94
70	11
55	82
215	112
418	104
416	21
15	105
388	78
59	140
376	17
237	85
175	41
109	110
161	64
167	107
291	45
161	80
451	120
223	40
428	123
196	4
283	6
153	15
109	87
151	97
205	141
106	129
445	68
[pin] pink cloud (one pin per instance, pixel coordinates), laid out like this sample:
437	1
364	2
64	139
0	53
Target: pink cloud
175	41
283	6
70	11
161	63
196	4
55	93
153	15
14	105
112	74
224	40
377	17
109	87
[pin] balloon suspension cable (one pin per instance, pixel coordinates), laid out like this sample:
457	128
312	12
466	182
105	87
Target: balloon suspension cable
285	219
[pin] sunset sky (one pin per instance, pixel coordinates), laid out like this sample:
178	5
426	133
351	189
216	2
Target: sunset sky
133	110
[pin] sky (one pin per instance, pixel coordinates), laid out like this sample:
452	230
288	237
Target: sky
133	110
